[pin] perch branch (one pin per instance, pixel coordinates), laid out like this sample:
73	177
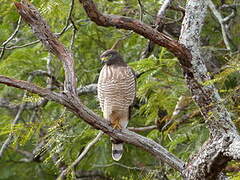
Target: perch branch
74	105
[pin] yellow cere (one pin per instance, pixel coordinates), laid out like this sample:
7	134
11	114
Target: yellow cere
104	58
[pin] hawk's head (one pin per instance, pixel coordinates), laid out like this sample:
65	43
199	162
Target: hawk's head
111	57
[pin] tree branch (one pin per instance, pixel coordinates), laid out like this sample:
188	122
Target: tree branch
5	103
222	23
142	129
210	160
159	26
162	10
90	88
30	14
14	122
81	156
74	105
138	27
11	37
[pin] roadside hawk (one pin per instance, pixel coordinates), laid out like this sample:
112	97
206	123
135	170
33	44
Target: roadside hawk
116	93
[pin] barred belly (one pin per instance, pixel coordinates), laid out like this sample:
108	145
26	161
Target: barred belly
116	87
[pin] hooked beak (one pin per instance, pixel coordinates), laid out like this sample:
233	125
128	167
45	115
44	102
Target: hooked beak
104	59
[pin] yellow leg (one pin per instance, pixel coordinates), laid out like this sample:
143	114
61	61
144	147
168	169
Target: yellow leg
117	125
115	120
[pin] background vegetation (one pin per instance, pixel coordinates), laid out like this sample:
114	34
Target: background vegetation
55	137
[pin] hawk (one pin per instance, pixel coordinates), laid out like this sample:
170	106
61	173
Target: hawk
116	93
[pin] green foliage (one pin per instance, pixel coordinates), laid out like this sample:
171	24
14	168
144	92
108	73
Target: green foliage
156	87
58	136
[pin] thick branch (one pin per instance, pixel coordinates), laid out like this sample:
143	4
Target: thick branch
136	26
30	14
210	160
74	105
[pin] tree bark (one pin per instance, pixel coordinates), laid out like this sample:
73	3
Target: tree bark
69	98
211	158
224	142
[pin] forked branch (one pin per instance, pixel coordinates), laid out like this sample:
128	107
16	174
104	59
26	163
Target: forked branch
43	32
70	100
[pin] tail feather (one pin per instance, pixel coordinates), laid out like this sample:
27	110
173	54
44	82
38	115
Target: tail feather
117	151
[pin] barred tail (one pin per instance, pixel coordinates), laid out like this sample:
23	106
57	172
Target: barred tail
117	151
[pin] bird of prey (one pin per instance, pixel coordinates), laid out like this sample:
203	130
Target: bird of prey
116	93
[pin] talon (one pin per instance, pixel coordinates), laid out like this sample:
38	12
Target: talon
117	126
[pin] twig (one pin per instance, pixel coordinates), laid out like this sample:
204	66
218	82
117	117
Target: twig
37	41
15	121
68	18
159	25
95	174
142	129
222	23
91	88
162	11
21	46
140	10
48	74
5	103
81	156
118	43
124	166
11	37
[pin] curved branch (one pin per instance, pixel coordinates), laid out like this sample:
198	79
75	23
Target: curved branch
138	27
222	23
74	105
11	37
40	28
